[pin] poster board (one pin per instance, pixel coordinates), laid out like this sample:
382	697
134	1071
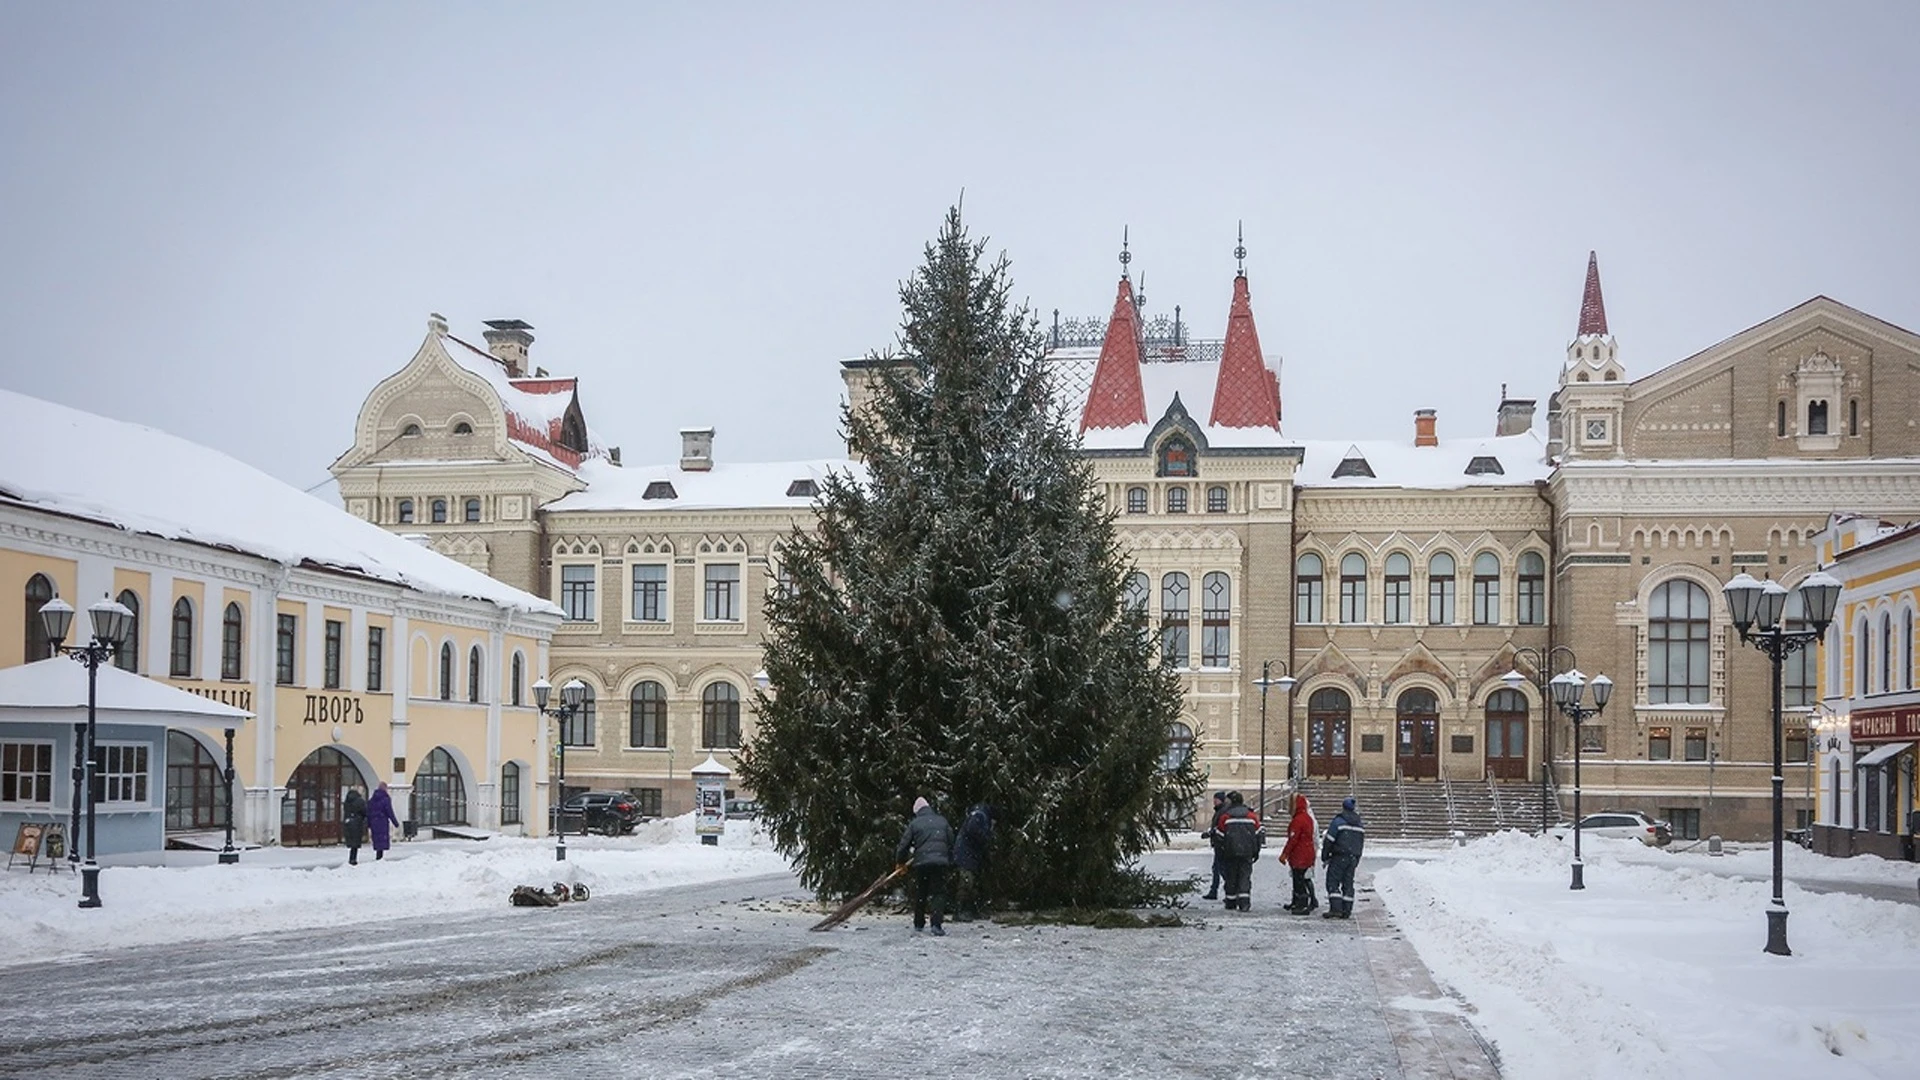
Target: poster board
38	842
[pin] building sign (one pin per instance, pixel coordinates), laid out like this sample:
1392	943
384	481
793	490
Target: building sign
240	697
1881	725
334	709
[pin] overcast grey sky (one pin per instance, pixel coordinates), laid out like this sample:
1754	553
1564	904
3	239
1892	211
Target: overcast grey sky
231	220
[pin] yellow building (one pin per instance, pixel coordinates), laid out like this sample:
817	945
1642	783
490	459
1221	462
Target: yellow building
366	657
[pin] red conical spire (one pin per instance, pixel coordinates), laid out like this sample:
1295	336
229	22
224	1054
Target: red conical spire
1593	311
1116	399
1246	394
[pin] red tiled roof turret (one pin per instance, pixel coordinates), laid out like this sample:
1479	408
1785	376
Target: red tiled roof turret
1593	311
1116	399
1246	393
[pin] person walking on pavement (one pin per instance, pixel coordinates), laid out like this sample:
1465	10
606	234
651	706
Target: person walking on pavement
379	817
928	844
970	854
353	824
1302	834
1346	836
1219	807
1238	841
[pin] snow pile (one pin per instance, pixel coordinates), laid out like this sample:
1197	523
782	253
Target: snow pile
279	889
1656	968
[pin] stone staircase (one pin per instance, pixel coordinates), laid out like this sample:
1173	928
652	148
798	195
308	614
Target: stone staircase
1429	809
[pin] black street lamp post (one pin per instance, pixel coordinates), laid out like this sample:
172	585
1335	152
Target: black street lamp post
1756	607
1567	688
1286	683
572	696
1540	661
228	855
112	623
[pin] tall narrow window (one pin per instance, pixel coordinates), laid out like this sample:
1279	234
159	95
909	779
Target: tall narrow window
647	715
1816	418
376	659
1175	625
472	510
1799	671
334	648
39	591
1396	604
1441	586
1216	634
581	726
1486	589
649	592
510	793
576	593
474	666
285	639
1780	419
1853	416
722	592
231	642
1353	588
1679	623
1886	653
1309	589
1530	597
1906	653
720	716
446	671
1137	586
126	656
518	680
180	648
1863	643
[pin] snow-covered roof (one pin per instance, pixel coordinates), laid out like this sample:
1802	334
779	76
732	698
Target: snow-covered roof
54	688
726	486
535	406
147	481
1521	459
1193	380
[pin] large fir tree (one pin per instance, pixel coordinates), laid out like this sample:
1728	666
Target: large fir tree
955	626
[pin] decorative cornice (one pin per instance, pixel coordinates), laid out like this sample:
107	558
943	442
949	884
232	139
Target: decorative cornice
1737	489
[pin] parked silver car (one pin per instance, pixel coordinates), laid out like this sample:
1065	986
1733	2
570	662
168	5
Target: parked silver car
1619	825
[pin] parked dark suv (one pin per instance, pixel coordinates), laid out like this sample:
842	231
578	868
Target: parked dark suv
614	813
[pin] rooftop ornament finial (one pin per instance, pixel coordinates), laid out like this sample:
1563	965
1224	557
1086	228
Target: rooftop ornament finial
1125	255
1140	295
1240	247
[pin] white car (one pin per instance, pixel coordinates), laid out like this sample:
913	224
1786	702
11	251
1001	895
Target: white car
1619	825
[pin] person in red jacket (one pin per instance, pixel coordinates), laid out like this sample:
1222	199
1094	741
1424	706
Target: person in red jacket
1298	855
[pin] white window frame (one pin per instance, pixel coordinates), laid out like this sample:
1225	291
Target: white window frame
51	774
140	779
739	619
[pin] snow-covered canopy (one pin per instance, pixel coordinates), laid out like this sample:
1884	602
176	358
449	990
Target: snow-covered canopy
147	481
754	485
56	689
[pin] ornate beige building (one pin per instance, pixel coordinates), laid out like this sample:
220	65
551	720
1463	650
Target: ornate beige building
1397	581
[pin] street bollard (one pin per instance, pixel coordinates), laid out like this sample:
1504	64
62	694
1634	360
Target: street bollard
1713	845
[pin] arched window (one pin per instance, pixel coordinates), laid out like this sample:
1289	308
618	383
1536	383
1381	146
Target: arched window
1396	605
1136	500
1886	653
1863	641
518	679
1679	624
1353	588
1137	587
720	716
230	642
463	428
510	793
472	510
1176	500
1906	653
196	795
446	671
1309	589
1179	746
406	511
1216	632
1176	457
439	511
1853	416
180	655
411	431
647	715
1216	500
439	793
1441	588
1780	419
1175	619
473	674
580	727
127	656
1799	670
1530	598
1486	589
39	591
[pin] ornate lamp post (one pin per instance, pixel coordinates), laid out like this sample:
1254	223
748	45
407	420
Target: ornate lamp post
572	696
1756	607
112	623
1286	683
1567	688
1540	661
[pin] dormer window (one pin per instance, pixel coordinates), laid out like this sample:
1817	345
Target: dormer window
802	489
660	489
411	431
463	428
1352	465
1176	457
1484	465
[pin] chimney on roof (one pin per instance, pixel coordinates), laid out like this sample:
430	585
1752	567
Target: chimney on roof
1516	414
1423	428
696	449
508	341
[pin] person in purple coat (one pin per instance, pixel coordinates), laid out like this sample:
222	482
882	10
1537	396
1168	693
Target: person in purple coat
379	819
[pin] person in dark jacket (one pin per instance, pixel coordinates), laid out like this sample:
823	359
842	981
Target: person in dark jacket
1302	835
379	817
353	824
970	855
928	844
1219	807
1346	836
1237	839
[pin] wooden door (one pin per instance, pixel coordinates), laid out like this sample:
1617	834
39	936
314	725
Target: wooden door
311	813
1507	735
1417	749
1329	756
